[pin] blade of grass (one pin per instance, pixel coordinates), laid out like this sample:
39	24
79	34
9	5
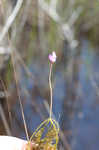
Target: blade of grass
6	95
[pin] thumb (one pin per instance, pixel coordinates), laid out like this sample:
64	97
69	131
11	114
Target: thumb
11	143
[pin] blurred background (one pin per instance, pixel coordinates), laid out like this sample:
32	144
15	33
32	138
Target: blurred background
29	31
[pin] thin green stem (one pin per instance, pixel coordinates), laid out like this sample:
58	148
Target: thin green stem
16	80
51	92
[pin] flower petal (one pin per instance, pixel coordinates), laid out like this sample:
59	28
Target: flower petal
52	57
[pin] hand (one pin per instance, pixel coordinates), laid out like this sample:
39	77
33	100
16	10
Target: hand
12	143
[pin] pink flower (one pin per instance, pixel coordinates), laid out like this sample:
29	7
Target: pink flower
52	57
